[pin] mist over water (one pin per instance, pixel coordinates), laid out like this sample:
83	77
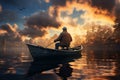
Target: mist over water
93	65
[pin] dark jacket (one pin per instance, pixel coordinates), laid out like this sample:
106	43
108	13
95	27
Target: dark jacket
64	38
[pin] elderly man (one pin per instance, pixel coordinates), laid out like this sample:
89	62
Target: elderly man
64	38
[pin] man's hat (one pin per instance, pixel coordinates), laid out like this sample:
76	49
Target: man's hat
64	28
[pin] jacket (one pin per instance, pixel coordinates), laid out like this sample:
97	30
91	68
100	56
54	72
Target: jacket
64	38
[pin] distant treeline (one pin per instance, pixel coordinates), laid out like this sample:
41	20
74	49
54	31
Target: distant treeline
103	35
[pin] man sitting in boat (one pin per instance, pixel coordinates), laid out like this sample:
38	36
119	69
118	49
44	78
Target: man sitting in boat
64	38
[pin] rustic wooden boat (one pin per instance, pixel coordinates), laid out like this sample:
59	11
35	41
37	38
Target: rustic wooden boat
39	52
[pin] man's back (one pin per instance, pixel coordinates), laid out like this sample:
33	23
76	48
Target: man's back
65	38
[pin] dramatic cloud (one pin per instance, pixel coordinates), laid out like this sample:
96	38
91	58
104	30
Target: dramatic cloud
58	2
112	6
36	24
10	33
99	12
42	19
104	4
94	7
74	14
33	31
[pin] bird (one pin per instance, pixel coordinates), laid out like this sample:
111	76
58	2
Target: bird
21	9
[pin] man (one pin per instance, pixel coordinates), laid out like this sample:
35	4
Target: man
64	38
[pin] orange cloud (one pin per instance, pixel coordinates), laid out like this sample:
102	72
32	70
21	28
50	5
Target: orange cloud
10	32
92	14
47	1
3	32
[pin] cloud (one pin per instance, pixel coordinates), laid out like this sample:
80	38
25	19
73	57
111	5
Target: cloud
112	6
47	1
98	11
42	19
58	2
59	14
33	31
37	22
103	4
10	33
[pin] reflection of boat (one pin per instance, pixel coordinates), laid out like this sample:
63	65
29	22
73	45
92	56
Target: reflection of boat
39	52
38	68
44	65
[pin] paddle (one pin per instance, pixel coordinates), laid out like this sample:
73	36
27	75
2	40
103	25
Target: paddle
49	44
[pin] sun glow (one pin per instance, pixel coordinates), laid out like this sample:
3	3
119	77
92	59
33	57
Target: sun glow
77	26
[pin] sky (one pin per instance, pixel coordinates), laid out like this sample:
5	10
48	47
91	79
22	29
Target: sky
38	19
19	9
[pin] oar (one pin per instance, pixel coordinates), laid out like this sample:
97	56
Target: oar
49	44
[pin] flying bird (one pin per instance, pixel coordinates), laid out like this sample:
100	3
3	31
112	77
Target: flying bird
21	9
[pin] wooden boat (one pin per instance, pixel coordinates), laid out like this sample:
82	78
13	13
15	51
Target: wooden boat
39	52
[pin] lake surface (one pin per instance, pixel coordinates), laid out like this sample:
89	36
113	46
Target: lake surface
93	65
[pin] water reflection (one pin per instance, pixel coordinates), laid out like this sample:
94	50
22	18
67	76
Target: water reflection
11	65
64	71
37	67
97	65
20	66
93	65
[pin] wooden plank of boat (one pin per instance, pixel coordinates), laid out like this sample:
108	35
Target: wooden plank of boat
39	52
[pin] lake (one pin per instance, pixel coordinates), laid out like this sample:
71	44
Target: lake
93	65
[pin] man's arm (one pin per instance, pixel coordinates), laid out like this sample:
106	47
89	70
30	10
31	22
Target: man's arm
59	38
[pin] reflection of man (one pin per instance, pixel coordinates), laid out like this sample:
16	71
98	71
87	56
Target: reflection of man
64	38
65	71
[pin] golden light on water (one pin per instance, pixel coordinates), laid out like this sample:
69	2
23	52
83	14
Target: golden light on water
11	70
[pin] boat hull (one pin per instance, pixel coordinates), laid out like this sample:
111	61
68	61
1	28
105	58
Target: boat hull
39	53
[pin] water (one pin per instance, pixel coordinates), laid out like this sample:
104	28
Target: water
93	65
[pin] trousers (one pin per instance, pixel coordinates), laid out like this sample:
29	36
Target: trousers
57	45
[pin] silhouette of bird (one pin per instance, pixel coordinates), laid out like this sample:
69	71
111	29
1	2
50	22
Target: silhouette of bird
21	9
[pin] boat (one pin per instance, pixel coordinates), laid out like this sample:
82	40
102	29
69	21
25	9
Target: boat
39	52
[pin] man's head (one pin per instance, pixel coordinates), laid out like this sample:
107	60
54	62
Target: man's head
64	29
